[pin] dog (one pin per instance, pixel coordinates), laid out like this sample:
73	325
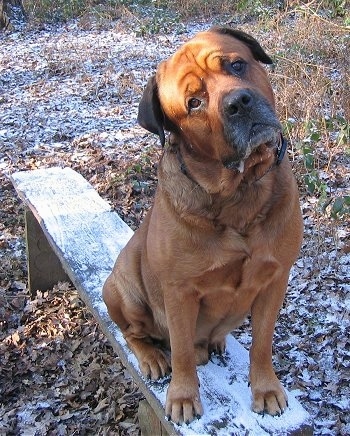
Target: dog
225	226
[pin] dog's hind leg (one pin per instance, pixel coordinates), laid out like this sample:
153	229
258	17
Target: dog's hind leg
137	324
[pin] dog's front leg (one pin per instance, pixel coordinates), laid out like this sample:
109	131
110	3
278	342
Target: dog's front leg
183	403
267	391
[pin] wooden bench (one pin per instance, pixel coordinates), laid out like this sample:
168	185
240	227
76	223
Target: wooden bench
72	233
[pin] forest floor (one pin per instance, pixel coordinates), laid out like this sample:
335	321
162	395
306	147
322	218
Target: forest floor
69	97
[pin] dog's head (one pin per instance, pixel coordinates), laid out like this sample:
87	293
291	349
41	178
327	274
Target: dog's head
214	95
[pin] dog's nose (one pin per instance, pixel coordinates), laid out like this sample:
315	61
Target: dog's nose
238	102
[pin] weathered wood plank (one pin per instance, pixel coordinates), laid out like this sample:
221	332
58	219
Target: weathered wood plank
150	425
44	267
87	237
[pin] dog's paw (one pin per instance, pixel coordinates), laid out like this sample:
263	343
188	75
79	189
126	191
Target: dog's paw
155	364
269	398
183	403
218	347
202	355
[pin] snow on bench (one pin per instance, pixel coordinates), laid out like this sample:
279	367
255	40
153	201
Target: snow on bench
72	232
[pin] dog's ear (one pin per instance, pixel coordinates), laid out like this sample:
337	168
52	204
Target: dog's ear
256	49
150	115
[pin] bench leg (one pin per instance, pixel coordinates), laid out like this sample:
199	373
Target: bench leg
149	422
44	267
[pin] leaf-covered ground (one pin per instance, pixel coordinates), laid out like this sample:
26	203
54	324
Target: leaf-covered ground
68	97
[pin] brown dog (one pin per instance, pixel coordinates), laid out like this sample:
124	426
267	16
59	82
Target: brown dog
225	227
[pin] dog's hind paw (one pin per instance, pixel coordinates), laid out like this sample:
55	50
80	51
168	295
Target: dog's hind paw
155	364
217	347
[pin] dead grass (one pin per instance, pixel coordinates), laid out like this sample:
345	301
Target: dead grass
314	53
43	11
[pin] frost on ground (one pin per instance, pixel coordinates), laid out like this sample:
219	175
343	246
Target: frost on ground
69	97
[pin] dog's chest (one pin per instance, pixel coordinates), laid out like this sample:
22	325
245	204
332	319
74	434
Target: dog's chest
224	273
222	297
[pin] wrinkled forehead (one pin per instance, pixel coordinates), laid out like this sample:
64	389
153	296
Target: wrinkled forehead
203	55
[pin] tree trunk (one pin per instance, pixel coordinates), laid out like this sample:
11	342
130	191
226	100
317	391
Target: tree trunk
12	14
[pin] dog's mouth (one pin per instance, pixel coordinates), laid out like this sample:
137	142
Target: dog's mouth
260	134
263	134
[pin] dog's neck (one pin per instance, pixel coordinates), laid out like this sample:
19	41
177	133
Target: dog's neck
223	178
207	210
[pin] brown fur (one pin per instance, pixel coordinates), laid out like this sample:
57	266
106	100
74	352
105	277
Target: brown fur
218	243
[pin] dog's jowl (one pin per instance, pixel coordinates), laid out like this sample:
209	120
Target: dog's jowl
225	227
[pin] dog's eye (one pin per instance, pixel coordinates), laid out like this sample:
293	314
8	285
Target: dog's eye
238	67
194	103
